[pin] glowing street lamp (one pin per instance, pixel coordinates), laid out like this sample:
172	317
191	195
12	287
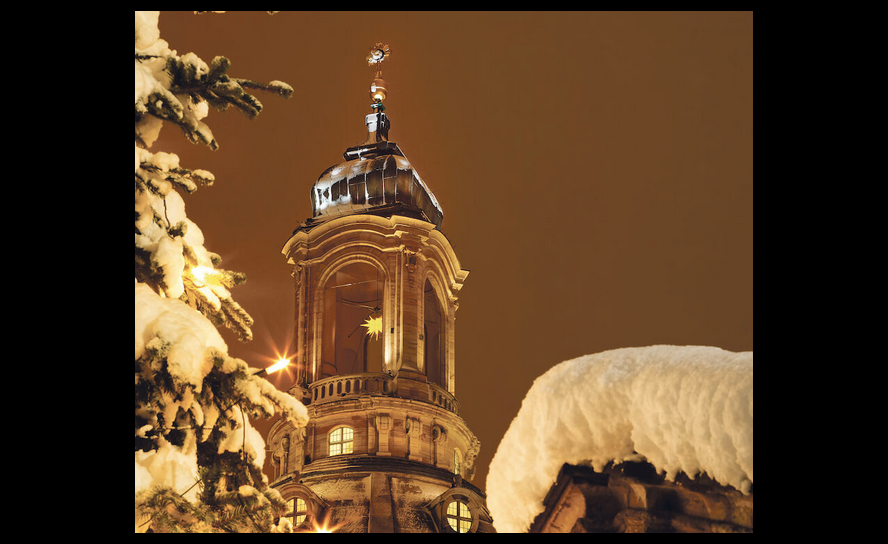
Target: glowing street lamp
279	365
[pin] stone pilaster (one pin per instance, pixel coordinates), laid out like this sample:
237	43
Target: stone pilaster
383	429
413	426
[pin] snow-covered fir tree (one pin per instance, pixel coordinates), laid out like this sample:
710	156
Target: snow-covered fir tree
198	460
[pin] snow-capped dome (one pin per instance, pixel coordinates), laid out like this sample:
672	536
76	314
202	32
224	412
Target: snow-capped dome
375	178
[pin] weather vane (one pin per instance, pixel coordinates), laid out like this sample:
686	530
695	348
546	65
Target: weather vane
378	53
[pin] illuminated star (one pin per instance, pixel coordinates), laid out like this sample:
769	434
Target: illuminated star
374	326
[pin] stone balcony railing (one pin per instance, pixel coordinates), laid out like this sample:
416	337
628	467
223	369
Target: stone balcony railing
348	386
351	385
443	398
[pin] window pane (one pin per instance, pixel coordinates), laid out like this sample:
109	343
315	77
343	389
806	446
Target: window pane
299	520
342	441
459	517
300	505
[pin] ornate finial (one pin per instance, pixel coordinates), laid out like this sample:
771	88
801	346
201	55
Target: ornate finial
378	53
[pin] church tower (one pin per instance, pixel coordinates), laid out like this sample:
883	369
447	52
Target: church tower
376	296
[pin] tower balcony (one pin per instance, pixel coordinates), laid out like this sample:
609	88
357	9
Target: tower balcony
404	385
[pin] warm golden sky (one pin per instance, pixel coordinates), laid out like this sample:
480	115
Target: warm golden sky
595	172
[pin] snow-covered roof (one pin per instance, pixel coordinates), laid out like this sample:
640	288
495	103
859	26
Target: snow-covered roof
682	408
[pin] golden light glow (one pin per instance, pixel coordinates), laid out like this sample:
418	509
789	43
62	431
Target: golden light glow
201	273
280	364
373	326
324	527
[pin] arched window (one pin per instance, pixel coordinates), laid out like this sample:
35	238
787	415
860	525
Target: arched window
433	334
352	336
342	441
458	516
296	511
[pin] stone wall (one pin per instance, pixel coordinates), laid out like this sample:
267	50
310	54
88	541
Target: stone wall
634	498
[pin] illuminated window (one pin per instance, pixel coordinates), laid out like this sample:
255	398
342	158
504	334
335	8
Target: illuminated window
455	461
459	517
342	441
296	511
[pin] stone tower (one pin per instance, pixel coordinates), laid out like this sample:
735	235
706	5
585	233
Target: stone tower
376	296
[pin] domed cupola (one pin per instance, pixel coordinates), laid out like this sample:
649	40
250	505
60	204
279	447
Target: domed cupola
376	177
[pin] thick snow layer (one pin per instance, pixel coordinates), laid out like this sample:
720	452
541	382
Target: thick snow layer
192	341
189	334
168	466
682	408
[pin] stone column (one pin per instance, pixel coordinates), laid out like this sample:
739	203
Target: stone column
411	301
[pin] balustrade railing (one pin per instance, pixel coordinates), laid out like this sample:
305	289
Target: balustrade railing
443	398
372	383
339	387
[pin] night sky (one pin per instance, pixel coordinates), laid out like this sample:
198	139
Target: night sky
595	172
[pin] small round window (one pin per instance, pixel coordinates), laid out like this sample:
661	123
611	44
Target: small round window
296	511
459	517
